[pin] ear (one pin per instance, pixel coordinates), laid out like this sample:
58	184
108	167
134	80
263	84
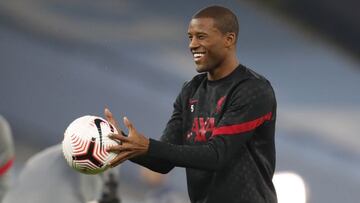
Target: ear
230	39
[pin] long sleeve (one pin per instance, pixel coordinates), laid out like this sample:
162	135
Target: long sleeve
223	133
172	135
248	110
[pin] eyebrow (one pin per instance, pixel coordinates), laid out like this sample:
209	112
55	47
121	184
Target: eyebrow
197	33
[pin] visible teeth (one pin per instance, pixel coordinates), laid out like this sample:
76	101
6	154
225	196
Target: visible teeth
198	55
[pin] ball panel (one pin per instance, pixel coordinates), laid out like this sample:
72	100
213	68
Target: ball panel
85	143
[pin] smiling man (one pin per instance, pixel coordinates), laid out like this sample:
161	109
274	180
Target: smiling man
223	123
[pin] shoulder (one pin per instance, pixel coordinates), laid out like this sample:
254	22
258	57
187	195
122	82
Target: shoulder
190	87
195	81
256	80
255	77
254	87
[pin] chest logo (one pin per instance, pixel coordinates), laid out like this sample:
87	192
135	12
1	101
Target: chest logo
219	104
202	129
192	103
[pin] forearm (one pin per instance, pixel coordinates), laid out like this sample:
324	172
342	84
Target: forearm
154	164
204	157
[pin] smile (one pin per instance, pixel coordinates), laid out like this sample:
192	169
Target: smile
198	55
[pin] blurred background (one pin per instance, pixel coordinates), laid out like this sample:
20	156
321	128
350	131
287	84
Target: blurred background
62	59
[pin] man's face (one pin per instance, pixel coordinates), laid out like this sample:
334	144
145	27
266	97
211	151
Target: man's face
207	44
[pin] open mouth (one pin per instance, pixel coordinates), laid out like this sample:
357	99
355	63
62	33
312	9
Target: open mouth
198	56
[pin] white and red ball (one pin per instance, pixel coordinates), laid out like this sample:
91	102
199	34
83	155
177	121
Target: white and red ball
85	143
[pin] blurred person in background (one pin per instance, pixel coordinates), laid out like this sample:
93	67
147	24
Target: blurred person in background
6	155
46	177
223	123
159	190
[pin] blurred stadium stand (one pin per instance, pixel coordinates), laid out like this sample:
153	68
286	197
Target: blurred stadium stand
338	21
56	55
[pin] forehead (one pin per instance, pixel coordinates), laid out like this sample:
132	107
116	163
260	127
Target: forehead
202	25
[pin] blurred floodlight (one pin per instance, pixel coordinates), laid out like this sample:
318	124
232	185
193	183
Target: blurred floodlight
290	187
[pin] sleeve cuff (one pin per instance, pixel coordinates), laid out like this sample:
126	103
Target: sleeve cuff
156	148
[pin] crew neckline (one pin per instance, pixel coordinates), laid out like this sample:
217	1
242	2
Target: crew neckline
228	77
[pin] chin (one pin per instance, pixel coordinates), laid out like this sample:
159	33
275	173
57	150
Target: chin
201	68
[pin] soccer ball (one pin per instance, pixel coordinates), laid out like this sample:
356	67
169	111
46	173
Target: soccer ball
85	143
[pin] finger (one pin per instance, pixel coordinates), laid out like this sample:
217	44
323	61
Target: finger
112	120
118	137
129	125
116	148
120	158
108	113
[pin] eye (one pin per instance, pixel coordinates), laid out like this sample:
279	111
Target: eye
201	37
190	37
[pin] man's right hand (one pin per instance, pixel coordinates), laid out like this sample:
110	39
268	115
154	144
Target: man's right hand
133	145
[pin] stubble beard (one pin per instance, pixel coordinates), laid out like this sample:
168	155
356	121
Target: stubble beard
203	68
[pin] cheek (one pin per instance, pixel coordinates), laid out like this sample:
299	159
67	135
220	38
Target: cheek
215	46
216	52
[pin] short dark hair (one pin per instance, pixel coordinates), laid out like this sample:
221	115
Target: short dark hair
225	20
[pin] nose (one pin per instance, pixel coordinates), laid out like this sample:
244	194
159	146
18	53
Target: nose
193	43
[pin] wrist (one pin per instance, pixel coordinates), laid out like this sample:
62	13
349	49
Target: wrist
147	145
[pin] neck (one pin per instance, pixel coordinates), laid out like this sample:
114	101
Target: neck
224	69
